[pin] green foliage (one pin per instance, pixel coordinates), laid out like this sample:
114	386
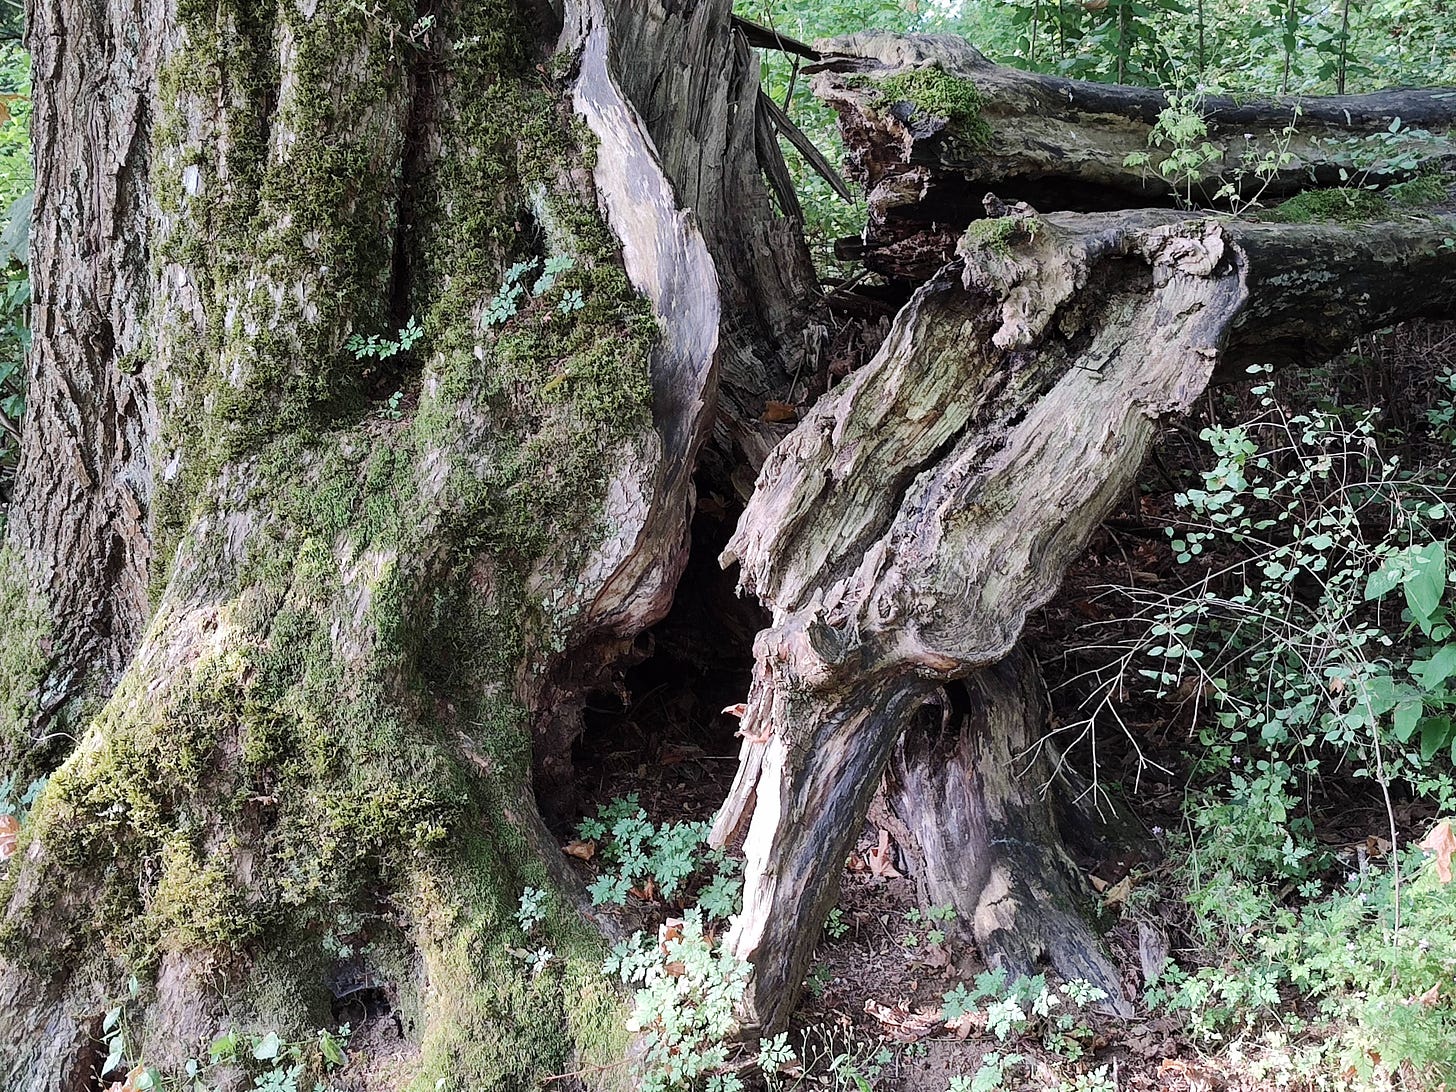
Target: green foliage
271	1062
686	990
1372	954
835	927
991	1075
637	854
1325	637
1027	1006
928	927
383	348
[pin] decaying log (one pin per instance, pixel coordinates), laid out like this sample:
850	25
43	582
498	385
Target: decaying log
1062	144
904	531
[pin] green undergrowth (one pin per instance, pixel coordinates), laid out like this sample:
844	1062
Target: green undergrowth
345	595
1373	982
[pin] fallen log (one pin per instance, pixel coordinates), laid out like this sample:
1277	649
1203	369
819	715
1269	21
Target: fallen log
930	125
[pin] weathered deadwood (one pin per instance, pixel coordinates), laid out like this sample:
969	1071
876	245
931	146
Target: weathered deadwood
697	90
983	807
1062	144
901	535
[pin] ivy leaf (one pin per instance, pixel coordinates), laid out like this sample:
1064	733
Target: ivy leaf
267	1048
1435	731
1407	716
1440	667
1427	581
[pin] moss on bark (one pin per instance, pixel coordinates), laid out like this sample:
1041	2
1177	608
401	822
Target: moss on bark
342	596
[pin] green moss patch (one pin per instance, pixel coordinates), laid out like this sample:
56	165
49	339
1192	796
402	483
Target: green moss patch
1343	205
26	622
997	234
932	92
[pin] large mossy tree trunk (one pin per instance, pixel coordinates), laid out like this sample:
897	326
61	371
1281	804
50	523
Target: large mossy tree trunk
298	613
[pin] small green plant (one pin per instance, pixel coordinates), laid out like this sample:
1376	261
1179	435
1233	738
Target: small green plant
506	302
384	348
640	855
1189	163
835	927
686	990
818	980
927	927
1094	1080
1027	1006
532	909
990	1076
392	410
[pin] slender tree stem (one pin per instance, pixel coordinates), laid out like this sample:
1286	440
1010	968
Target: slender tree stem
1344	43
1201	60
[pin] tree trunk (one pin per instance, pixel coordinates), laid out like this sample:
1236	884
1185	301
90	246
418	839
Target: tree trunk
976	790
318	605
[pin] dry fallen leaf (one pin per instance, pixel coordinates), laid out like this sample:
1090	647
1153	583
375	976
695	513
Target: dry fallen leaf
855	863
1376	846
775	411
963	1024
735	710
1442	843
9	836
1117	894
1198	1078
1430	998
881	859
903	1024
582	851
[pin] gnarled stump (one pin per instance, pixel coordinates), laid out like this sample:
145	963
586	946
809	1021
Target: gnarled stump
979	797
904	531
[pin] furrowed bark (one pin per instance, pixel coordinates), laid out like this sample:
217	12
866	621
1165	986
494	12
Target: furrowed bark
1062	144
74	572
382	582
902	534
